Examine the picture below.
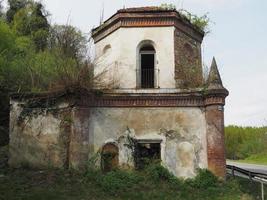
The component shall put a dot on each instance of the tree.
(32, 21)
(35, 57)
(14, 7)
(1, 9)
(69, 41)
(7, 46)
(40, 26)
(243, 142)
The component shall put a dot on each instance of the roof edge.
(121, 15)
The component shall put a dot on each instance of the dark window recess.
(147, 153)
(109, 157)
(147, 48)
(147, 70)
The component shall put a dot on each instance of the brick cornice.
(191, 99)
(142, 101)
(146, 19)
(216, 96)
(78, 98)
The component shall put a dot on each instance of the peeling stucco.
(181, 130)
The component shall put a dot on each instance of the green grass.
(155, 182)
(259, 159)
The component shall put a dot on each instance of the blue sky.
(238, 41)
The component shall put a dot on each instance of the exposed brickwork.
(215, 140)
(188, 67)
(186, 99)
(79, 138)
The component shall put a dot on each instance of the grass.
(259, 159)
(155, 182)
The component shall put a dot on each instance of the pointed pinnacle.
(214, 79)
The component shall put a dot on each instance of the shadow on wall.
(4, 118)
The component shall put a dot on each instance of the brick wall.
(188, 67)
(215, 140)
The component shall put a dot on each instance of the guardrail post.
(233, 171)
(262, 191)
(250, 178)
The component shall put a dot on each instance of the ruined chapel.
(158, 106)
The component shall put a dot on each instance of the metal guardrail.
(253, 176)
(248, 173)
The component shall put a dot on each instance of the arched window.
(147, 66)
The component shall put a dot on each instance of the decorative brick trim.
(91, 99)
(148, 100)
(214, 100)
(146, 19)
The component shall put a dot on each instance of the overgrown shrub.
(204, 179)
(158, 173)
(200, 22)
(118, 181)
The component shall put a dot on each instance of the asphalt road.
(250, 167)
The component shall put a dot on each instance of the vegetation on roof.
(200, 22)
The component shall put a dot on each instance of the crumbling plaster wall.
(54, 136)
(66, 137)
(36, 136)
(79, 139)
(182, 131)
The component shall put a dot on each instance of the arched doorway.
(147, 66)
(109, 157)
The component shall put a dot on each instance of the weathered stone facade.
(184, 128)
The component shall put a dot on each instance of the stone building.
(157, 105)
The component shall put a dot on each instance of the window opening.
(147, 62)
(147, 152)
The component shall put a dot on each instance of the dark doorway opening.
(147, 67)
(147, 153)
(147, 62)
